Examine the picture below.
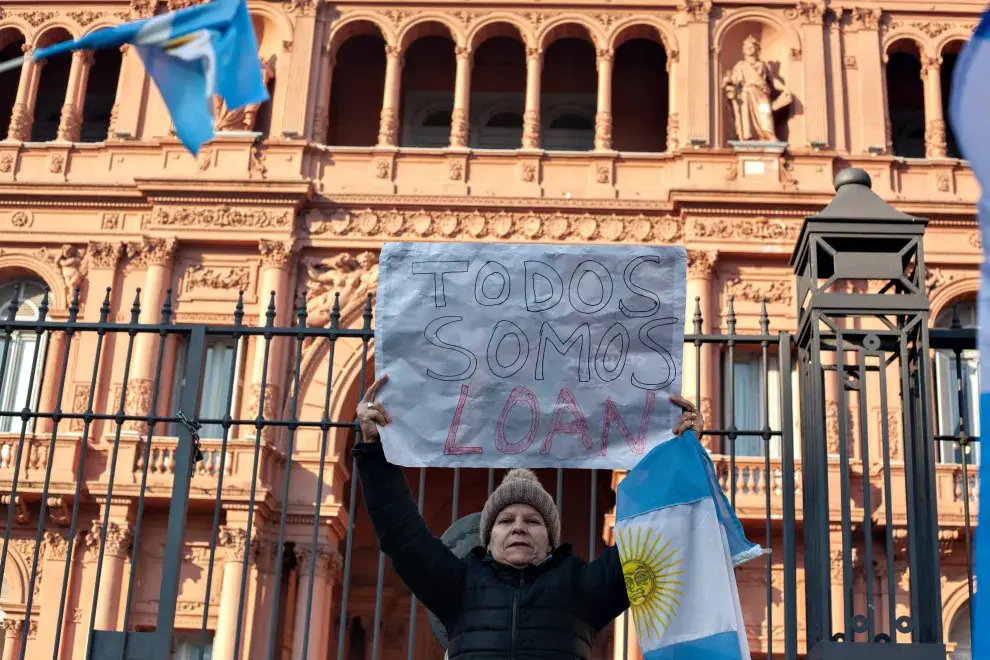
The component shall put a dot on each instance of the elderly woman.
(521, 594)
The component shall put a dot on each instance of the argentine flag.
(679, 540)
(968, 116)
(191, 54)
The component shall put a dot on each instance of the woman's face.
(519, 537)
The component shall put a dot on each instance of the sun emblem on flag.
(651, 569)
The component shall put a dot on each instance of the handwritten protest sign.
(539, 355)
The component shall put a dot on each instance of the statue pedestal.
(758, 161)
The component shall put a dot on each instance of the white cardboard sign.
(539, 355)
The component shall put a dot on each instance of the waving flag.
(679, 540)
(191, 54)
(968, 116)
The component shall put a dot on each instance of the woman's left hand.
(691, 418)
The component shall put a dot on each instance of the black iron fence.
(128, 535)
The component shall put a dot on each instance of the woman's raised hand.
(691, 418)
(371, 413)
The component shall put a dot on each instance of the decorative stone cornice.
(222, 216)
(503, 225)
(760, 228)
(778, 291)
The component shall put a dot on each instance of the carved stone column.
(12, 638)
(603, 119)
(693, 20)
(864, 45)
(328, 563)
(296, 108)
(931, 74)
(459, 122)
(70, 125)
(700, 383)
(531, 118)
(118, 545)
(276, 259)
(811, 16)
(265, 561)
(234, 543)
(388, 130)
(157, 255)
(22, 115)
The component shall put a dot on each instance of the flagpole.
(10, 65)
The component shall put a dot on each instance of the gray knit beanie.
(520, 486)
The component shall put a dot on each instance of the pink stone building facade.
(576, 121)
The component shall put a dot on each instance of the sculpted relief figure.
(755, 94)
(352, 276)
(70, 263)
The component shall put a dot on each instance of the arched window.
(20, 387)
(961, 633)
(906, 102)
(101, 93)
(569, 92)
(11, 46)
(428, 89)
(53, 82)
(947, 371)
(498, 89)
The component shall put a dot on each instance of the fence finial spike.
(136, 306)
(335, 311)
(14, 303)
(167, 308)
(301, 310)
(730, 318)
(105, 307)
(764, 318)
(270, 313)
(74, 306)
(367, 313)
(43, 308)
(239, 309)
(698, 317)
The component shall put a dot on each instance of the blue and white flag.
(679, 541)
(191, 54)
(968, 116)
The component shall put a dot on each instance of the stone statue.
(242, 119)
(749, 87)
(70, 263)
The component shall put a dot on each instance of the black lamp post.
(863, 325)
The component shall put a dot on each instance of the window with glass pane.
(220, 361)
(187, 645)
(947, 373)
(19, 388)
(748, 393)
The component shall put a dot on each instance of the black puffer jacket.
(551, 611)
